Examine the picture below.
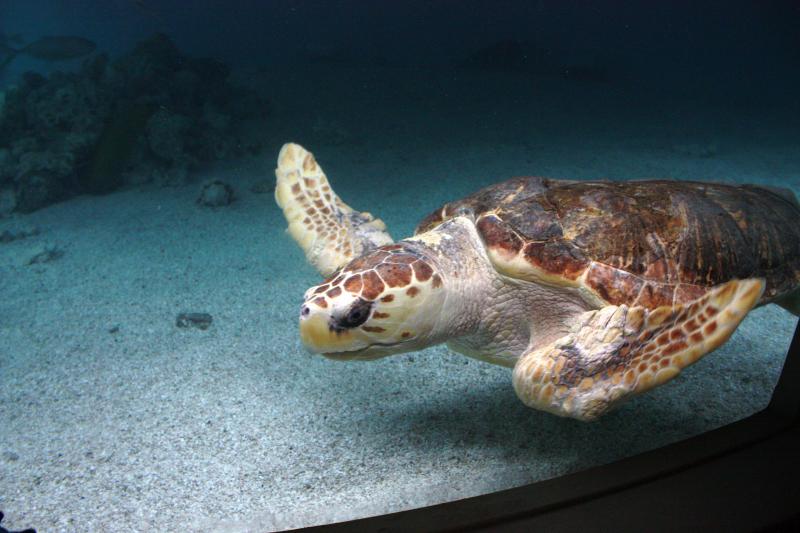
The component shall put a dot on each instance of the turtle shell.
(646, 243)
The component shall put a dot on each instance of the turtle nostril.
(304, 311)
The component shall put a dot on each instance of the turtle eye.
(357, 315)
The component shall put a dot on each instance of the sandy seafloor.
(114, 419)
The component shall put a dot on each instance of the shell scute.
(613, 285)
(557, 257)
(497, 234)
(649, 243)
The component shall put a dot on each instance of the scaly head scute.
(384, 302)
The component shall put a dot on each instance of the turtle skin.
(648, 243)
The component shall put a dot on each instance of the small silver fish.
(51, 48)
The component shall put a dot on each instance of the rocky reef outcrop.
(153, 114)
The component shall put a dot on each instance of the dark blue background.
(741, 46)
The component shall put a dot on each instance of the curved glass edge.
(751, 465)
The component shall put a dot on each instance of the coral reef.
(152, 115)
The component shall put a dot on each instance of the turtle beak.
(319, 337)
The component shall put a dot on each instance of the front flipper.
(618, 351)
(328, 230)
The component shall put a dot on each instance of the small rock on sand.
(10, 456)
(45, 254)
(16, 233)
(216, 194)
(194, 320)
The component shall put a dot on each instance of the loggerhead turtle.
(592, 291)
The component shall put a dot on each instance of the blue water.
(113, 418)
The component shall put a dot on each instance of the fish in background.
(49, 48)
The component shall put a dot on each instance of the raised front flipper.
(328, 230)
(616, 352)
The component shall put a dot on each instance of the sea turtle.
(592, 291)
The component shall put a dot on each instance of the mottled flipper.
(329, 231)
(618, 351)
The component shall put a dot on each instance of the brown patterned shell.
(649, 243)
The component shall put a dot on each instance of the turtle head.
(385, 302)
